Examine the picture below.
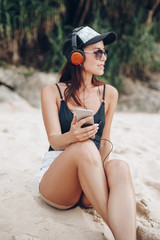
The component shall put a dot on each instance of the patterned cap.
(86, 36)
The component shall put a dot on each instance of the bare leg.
(77, 169)
(121, 203)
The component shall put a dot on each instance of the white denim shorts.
(48, 159)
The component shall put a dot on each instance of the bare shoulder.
(62, 84)
(111, 93)
(49, 90)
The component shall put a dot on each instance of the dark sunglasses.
(99, 53)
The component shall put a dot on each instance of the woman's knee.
(117, 172)
(86, 152)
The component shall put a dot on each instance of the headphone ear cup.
(77, 57)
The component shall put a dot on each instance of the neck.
(87, 79)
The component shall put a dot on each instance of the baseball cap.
(86, 36)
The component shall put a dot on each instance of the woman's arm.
(50, 117)
(57, 140)
(111, 99)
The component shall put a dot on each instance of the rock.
(128, 86)
(13, 76)
(31, 88)
(12, 100)
(142, 100)
(154, 83)
(26, 82)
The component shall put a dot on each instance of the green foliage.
(3, 63)
(155, 64)
(137, 51)
(26, 15)
(154, 30)
(28, 74)
(55, 59)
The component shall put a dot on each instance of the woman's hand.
(79, 134)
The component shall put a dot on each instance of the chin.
(99, 73)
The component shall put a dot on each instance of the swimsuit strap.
(59, 91)
(103, 99)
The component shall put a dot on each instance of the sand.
(23, 142)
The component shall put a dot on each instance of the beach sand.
(23, 142)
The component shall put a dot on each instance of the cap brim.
(106, 37)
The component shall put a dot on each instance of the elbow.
(55, 148)
(52, 143)
(55, 143)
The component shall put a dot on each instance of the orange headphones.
(77, 56)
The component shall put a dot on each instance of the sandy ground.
(23, 142)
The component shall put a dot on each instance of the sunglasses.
(99, 53)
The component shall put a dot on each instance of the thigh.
(60, 184)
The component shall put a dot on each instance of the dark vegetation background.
(32, 33)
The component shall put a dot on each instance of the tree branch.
(152, 11)
(85, 12)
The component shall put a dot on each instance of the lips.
(101, 65)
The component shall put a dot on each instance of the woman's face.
(91, 64)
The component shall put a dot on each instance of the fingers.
(81, 133)
(89, 132)
(92, 128)
(85, 121)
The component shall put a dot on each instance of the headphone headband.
(74, 40)
(77, 56)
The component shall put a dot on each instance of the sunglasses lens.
(99, 54)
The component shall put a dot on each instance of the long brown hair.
(72, 76)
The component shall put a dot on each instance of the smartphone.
(83, 113)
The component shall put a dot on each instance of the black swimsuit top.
(66, 116)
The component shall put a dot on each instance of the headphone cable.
(105, 139)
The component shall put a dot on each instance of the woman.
(74, 171)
